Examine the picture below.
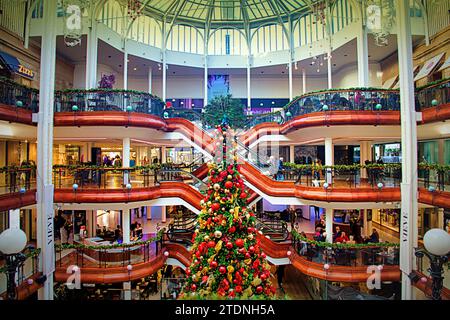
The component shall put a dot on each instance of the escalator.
(180, 175)
(182, 229)
(276, 229)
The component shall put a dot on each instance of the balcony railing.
(356, 99)
(432, 176)
(109, 255)
(345, 254)
(14, 94)
(15, 179)
(107, 100)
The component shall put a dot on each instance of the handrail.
(164, 175)
(374, 99)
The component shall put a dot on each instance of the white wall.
(347, 77)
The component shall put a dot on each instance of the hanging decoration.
(73, 22)
(134, 9)
(380, 19)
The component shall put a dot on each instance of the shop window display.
(389, 218)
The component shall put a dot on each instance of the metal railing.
(347, 256)
(276, 229)
(14, 94)
(108, 100)
(106, 256)
(180, 175)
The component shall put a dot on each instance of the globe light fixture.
(326, 185)
(128, 186)
(22, 190)
(165, 115)
(434, 102)
(74, 108)
(325, 107)
(437, 246)
(288, 114)
(378, 106)
(431, 188)
(75, 187)
(380, 185)
(12, 243)
(19, 103)
(129, 108)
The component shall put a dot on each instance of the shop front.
(15, 69)
(388, 218)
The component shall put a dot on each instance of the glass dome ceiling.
(230, 12)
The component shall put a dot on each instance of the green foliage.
(225, 105)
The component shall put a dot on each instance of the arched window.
(146, 30)
(269, 38)
(112, 15)
(227, 42)
(185, 38)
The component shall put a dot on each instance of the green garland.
(96, 167)
(323, 244)
(422, 165)
(106, 91)
(431, 84)
(16, 84)
(30, 254)
(111, 246)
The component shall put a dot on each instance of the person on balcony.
(342, 238)
(374, 237)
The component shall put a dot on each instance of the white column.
(163, 213)
(330, 76)
(290, 80)
(440, 218)
(125, 70)
(44, 203)
(408, 220)
(292, 154)
(126, 158)
(205, 82)
(249, 80)
(150, 76)
(164, 78)
(149, 213)
(127, 290)
(14, 219)
(91, 56)
(363, 57)
(365, 153)
(329, 224)
(91, 222)
(126, 214)
(329, 158)
(163, 154)
(303, 81)
(367, 229)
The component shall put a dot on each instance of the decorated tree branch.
(227, 261)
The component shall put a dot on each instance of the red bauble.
(239, 243)
(247, 255)
(243, 195)
(228, 184)
(193, 287)
(263, 277)
(188, 271)
(259, 289)
(211, 244)
(213, 264)
(204, 279)
(222, 269)
(238, 289)
(263, 255)
(229, 245)
(215, 206)
(232, 229)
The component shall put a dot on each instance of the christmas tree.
(227, 260)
